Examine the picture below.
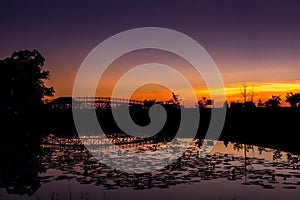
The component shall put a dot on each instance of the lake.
(223, 171)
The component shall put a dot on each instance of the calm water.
(232, 171)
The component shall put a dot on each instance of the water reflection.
(247, 165)
(20, 170)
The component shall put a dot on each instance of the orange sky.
(262, 89)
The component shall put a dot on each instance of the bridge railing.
(104, 102)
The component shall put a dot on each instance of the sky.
(252, 42)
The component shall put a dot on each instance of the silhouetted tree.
(202, 103)
(246, 94)
(22, 91)
(22, 78)
(293, 99)
(176, 100)
(274, 102)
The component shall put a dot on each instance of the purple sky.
(254, 41)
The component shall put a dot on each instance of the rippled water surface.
(228, 171)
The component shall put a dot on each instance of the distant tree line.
(293, 99)
(247, 100)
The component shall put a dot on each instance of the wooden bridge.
(103, 102)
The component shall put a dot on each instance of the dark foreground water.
(231, 171)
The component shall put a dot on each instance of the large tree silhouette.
(22, 91)
(22, 81)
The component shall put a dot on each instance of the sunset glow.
(266, 60)
(263, 91)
